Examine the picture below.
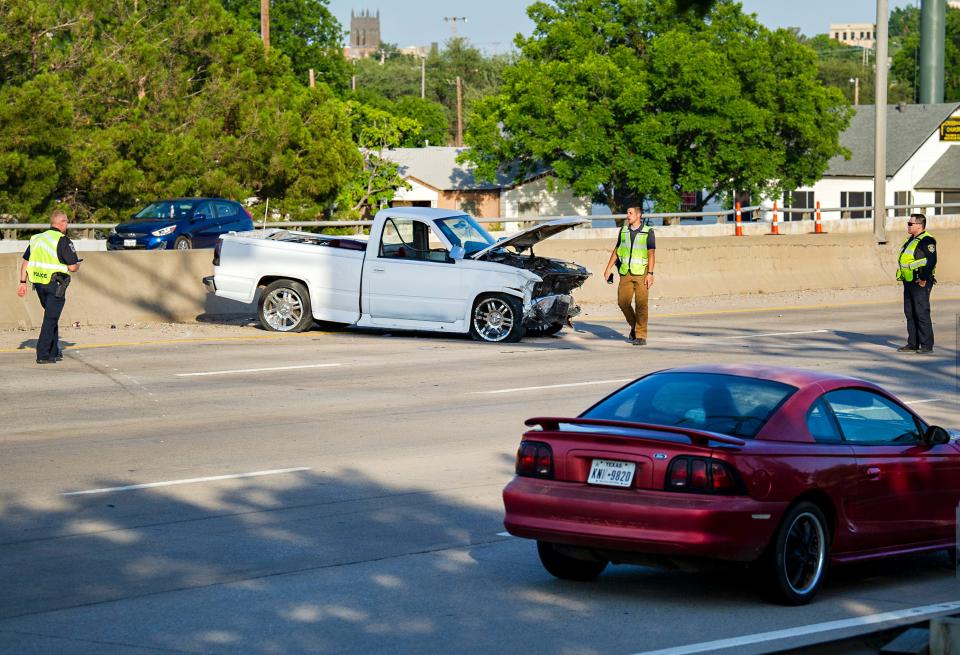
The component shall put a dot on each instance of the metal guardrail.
(9, 230)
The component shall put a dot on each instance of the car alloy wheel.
(797, 559)
(493, 319)
(283, 309)
(804, 553)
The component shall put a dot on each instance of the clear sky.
(492, 24)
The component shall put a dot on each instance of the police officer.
(915, 268)
(636, 249)
(48, 262)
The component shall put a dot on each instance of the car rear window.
(726, 404)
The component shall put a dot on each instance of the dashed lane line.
(170, 483)
(255, 370)
(163, 342)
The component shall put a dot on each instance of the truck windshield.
(465, 232)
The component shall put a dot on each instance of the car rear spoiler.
(700, 437)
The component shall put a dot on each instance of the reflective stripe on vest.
(633, 256)
(907, 264)
(44, 261)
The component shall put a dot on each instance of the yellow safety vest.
(907, 263)
(633, 256)
(44, 261)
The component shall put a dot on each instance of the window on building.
(946, 198)
(799, 200)
(903, 200)
(856, 199)
(844, 36)
(836, 35)
(527, 208)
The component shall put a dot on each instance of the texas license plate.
(611, 473)
(129, 243)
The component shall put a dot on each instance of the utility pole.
(423, 77)
(453, 20)
(856, 90)
(932, 33)
(265, 23)
(313, 80)
(880, 128)
(459, 113)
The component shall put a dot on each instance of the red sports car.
(786, 468)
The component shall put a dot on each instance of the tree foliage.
(906, 65)
(625, 101)
(303, 30)
(107, 105)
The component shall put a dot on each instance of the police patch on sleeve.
(72, 248)
(932, 247)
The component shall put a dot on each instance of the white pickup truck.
(420, 269)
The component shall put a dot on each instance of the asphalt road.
(358, 507)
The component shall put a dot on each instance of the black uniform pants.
(48, 345)
(916, 307)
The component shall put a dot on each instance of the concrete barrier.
(124, 287)
(141, 287)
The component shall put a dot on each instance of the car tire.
(568, 568)
(544, 330)
(285, 307)
(795, 563)
(182, 243)
(497, 318)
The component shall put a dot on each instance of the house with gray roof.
(436, 179)
(922, 163)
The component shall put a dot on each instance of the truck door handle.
(873, 472)
(379, 270)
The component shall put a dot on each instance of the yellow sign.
(950, 130)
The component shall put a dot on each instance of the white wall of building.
(417, 192)
(827, 190)
(536, 195)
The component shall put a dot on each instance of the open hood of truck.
(527, 238)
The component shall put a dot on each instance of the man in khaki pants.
(636, 251)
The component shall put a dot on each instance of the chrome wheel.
(283, 309)
(493, 319)
(804, 553)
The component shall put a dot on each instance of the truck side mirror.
(457, 252)
(936, 435)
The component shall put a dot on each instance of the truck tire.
(497, 318)
(285, 307)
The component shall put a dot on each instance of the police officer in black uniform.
(915, 268)
(47, 263)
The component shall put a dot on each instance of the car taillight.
(535, 460)
(703, 475)
(216, 252)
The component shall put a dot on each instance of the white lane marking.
(913, 614)
(170, 483)
(917, 402)
(255, 370)
(551, 386)
(776, 334)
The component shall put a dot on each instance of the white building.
(436, 179)
(922, 168)
(861, 35)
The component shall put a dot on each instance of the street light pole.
(265, 23)
(880, 127)
(459, 113)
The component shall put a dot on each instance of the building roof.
(437, 167)
(945, 174)
(908, 126)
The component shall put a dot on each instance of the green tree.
(626, 101)
(146, 100)
(305, 31)
(905, 69)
